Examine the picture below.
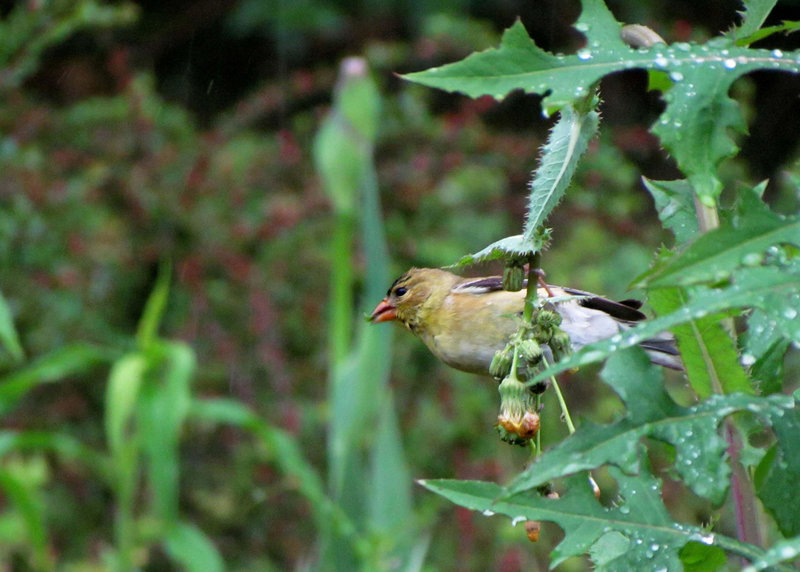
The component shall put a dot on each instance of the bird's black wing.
(626, 310)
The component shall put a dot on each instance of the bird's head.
(412, 294)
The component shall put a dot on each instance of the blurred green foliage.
(126, 144)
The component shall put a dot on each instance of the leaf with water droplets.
(508, 247)
(568, 141)
(707, 350)
(753, 15)
(731, 246)
(781, 551)
(779, 472)
(675, 206)
(637, 533)
(700, 450)
(518, 63)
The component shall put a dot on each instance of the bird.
(466, 321)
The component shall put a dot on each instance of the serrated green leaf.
(699, 557)
(567, 142)
(696, 124)
(778, 473)
(700, 450)
(768, 370)
(787, 27)
(743, 242)
(768, 288)
(516, 245)
(608, 548)
(753, 16)
(707, 350)
(778, 493)
(598, 24)
(638, 514)
(675, 205)
(695, 127)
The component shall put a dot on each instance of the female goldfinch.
(465, 321)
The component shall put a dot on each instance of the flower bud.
(561, 342)
(518, 420)
(548, 319)
(501, 363)
(532, 528)
(530, 351)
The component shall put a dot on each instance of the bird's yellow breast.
(491, 320)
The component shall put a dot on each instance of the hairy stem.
(744, 506)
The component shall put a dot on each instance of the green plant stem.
(539, 433)
(707, 217)
(745, 509)
(561, 401)
(564, 409)
(531, 293)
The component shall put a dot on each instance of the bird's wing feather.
(626, 310)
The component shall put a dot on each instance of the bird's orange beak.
(383, 312)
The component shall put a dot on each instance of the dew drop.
(661, 61)
(582, 27)
(488, 512)
(730, 63)
(584, 55)
(747, 360)
(787, 552)
(676, 76)
(790, 313)
(753, 259)
(777, 54)
(704, 538)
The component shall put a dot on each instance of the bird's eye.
(400, 291)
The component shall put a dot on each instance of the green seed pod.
(561, 342)
(530, 351)
(548, 319)
(544, 335)
(501, 363)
